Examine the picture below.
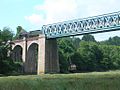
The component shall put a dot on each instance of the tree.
(63, 63)
(77, 59)
(6, 63)
(76, 42)
(111, 57)
(112, 41)
(66, 45)
(19, 30)
(66, 49)
(88, 37)
(6, 34)
(91, 55)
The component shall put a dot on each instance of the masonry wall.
(48, 61)
(51, 56)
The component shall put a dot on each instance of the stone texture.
(47, 55)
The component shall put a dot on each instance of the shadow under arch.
(17, 53)
(16, 56)
(32, 59)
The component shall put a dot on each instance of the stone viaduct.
(39, 53)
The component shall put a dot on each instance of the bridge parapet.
(101, 23)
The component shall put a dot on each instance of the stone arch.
(17, 44)
(32, 59)
(17, 53)
(32, 42)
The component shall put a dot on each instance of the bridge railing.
(101, 23)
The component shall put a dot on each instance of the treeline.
(87, 54)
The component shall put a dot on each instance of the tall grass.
(83, 81)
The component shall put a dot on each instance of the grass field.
(82, 81)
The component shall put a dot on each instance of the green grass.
(82, 81)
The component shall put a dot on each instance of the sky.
(32, 14)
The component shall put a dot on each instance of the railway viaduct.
(38, 49)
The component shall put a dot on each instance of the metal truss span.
(101, 23)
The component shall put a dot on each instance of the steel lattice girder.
(101, 23)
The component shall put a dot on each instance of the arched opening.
(17, 58)
(32, 58)
(17, 53)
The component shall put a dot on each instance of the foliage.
(111, 57)
(5, 35)
(88, 54)
(112, 41)
(63, 63)
(91, 55)
(66, 49)
(88, 38)
(19, 30)
(75, 41)
(77, 59)
(6, 63)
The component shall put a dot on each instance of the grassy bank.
(82, 81)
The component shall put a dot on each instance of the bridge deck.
(96, 24)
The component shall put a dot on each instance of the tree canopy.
(89, 55)
(88, 38)
(6, 63)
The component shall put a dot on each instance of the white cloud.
(58, 10)
(93, 7)
(62, 10)
(55, 11)
(35, 19)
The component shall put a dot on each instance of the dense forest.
(75, 54)
(89, 55)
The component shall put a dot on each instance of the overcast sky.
(32, 14)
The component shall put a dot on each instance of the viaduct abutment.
(47, 54)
